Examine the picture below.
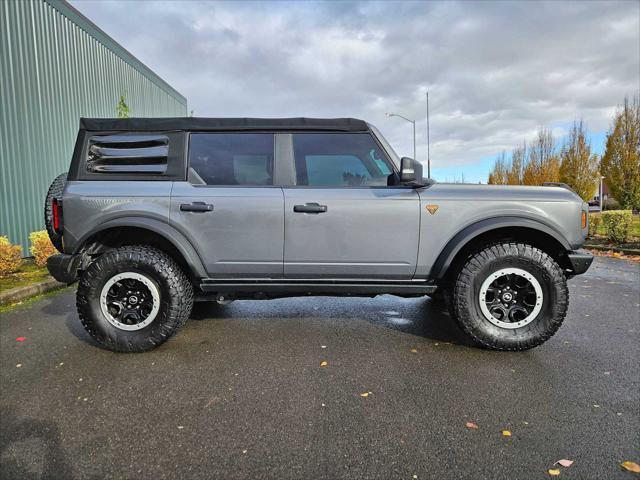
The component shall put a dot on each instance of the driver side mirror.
(410, 171)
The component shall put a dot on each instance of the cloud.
(496, 71)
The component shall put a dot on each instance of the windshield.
(394, 156)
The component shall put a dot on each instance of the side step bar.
(306, 287)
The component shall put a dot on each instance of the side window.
(231, 158)
(339, 160)
(127, 154)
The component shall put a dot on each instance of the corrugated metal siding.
(54, 71)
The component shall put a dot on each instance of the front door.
(342, 219)
(229, 208)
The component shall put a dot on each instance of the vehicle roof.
(220, 124)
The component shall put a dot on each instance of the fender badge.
(432, 209)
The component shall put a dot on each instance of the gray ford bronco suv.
(157, 213)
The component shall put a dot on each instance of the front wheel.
(132, 299)
(510, 296)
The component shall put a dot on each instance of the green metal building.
(57, 66)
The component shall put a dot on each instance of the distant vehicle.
(155, 214)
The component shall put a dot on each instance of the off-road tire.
(176, 298)
(465, 303)
(55, 191)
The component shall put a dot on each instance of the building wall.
(57, 66)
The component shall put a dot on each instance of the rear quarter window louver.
(128, 154)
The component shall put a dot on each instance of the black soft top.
(218, 124)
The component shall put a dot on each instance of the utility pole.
(414, 140)
(428, 141)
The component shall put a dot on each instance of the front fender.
(460, 239)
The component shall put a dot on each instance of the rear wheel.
(132, 299)
(54, 192)
(510, 296)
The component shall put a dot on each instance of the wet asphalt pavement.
(240, 393)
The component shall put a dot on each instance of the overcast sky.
(496, 71)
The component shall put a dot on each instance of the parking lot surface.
(240, 393)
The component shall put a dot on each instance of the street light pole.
(428, 142)
(413, 122)
(601, 195)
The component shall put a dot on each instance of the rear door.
(229, 208)
(344, 218)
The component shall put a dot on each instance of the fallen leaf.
(324, 363)
(564, 462)
(554, 472)
(323, 346)
(471, 425)
(180, 427)
(18, 365)
(630, 466)
(365, 394)
(244, 451)
(413, 350)
(506, 433)
(21, 339)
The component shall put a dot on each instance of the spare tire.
(55, 191)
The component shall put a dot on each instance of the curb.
(626, 251)
(18, 294)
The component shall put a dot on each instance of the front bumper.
(580, 261)
(63, 267)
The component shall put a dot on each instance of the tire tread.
(460, 309)
(55, 191)
(179, 292)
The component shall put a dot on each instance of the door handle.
(196, 207)
(310, 208)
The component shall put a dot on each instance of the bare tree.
(518, 158)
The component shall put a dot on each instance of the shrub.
(594, 223)
(41, 247)
(10, 257)
(617, 224)
(611, 204)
